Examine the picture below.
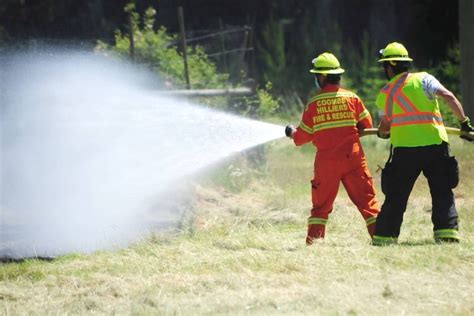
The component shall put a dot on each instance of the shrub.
(158, 50)
(448, 72)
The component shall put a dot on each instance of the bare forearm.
(453, 103)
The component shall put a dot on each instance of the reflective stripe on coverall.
(331, 121)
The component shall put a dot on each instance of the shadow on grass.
(427, 242)
(20, 260)
(424, 242)
(408, 243)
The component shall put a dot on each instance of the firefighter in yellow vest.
(410, 117)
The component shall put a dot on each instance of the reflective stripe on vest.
(405, 103)
(395, 88)
(411, 114)
(418, 118)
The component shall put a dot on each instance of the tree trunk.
(383, 23)
(466, 37)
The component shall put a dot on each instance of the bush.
(364, 75)
(158, 50)
(448, 72)
(268, 104)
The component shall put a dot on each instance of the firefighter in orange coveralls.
(331, 121)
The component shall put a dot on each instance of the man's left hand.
(382, 135)
(466, 127)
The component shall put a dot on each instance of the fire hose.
(449, 130)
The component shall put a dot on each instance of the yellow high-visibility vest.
(415, 119)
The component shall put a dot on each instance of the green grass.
(241, 251)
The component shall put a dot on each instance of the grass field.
(241, 251)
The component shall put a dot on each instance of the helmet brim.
(328, 71)
(381, 60)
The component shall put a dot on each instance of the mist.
(88, 149)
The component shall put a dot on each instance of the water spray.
(87, 149)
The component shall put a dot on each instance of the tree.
(157, 50)
(271, 50)
(466, 32)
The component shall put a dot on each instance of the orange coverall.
(331, 121)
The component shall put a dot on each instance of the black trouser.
(404, 169)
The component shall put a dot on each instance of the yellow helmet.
(326, 63)
(394, 51)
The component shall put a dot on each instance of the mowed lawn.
(240, 250)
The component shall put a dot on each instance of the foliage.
(158, 50)
(285, 59)
(288, 42)
(448, 72)
(317, 33)
(271, 52)
(3, 36)
(268, 104)
(364, 75)
(289, 33)
(260, 105)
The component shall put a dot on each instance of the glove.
(383, 136)
(289, 130)
(466, 127)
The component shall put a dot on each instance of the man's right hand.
(289, 131)
(383, 130)
(466, 127)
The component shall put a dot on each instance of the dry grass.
(242, 251)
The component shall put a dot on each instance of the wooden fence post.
(183, 45)
(131, 38)
(222, 37)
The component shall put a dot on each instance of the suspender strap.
(390, 156)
